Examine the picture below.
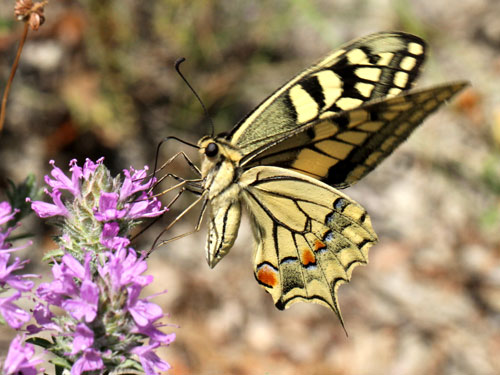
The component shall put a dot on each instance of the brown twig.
(12, 74)
(32, 16)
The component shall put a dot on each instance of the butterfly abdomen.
(225, 216)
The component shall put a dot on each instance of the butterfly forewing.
(344, 147)
(310, 236)
(376, 66)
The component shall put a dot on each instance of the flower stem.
(12, 74)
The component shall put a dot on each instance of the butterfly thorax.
(219, 166)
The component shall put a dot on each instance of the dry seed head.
(27, 11)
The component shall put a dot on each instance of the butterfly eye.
(211, 150)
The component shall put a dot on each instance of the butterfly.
(323, 130)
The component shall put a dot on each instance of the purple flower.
(132, 182)
(124, 269)
(149, 360)
(156, 335)
(59, 181)
(143, 312)
(43, 317)
(91, 360)
(20, 359)
(85, 305)
(110, 238)
(4, 244)
(13, 315)
(62, 182)
(74, 268)
(14, 281)
(56, 291)
(7, 246)
(144, 206)
(90, 282)
(44, 209)
(83, 338)
(89, 167)
(5, 212)
(108, 208)
(80, 300)
(63, 286)
(124, 315)
(121, 205)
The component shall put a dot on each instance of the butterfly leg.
(192, 186)
(177, 196)
(186, 158)
(184, 185)
(156, 243)
(189, 162)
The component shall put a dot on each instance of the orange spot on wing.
(307, 257)
(318, 245)
(266, 275)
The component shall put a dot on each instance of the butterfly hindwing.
(344, 147)
(309, 236)
(379, 65)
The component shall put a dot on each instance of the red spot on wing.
(267, 276)
(318, 245)
(307, 257)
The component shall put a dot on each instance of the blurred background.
(97, 80)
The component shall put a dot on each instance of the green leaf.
(38, 341)
(17, 195)
(60, 362)
(53, 254)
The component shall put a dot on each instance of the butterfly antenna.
(177, 68)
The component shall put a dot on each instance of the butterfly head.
(216, 151)
(209, 148)
(219, 163)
